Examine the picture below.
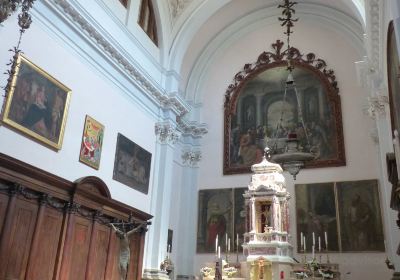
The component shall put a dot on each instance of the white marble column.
(253, 215)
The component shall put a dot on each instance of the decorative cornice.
(275, 58)
(193, 129)
(163, 100)
(167, 133)
(191, 157)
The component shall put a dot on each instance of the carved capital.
(166, 133)
(377, 106)
(191, 158)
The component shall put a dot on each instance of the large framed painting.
(257, 114)
(92, 142)
(37, 104)
(316, 213)
(349, 212)
(132, 164)
(360, 216)
(214, 219)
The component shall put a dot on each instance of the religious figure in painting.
(216, 225)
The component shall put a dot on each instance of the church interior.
(199, 139)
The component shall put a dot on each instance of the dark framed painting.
(360, 216)
(132, 164)
(258, 113)
(316, 213)
(215, 214)
(37, 104)
(349, 212)
(92, 142)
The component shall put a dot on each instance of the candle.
(301, 240)
(226, 241)
(216, 245)
(326, 241)
(313, 253)
(229, 245)
(304, 237)
(237, 241)
(313, 238)
(319, 244)
(219, 252)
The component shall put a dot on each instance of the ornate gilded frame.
(278, 58)
(23, 96)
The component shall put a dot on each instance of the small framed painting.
(132, 165)
(92, 142)
(37, 104)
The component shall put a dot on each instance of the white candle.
(226, 241)
(326, 241)
(229, 244)
(313, 238)
(301, 240)
(219, 252)
(305, 249)
(237, 240)
(313, 253)
(319, 244)
(216, 245)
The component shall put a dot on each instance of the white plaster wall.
(361, 152)
(92, 94)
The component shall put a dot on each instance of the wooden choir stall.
(51, 228)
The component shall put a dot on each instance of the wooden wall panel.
(98, 260)
(80, 248)
(3, 208)
(42, 262)
(19, 241)
(112, 272)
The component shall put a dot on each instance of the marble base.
(154, 274)
(396, 276)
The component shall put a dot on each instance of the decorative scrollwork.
(276, 58)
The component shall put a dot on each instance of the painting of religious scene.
(132, 165)
(214, 219)
(239, 216)
(37, 104)
(360, 216)
(92, 141)
(265, 115)
(316, 213)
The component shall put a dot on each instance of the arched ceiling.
(195, 23)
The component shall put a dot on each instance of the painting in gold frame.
(37, 104)
(92, 142)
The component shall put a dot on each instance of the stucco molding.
(167, 133)
(191, 157)
(156, 94)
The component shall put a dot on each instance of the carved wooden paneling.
(135, 247)
(80, 249)
(98, 257)
(3, 207)
(14, 258)
(42, 261)
(51, 228)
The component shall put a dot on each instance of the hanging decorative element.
(7, 7)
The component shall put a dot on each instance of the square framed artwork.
(92, 142)
(132, 164)
(37, 104)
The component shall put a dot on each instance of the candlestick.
(313, 252)
(319, 244)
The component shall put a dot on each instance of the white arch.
(325, 16)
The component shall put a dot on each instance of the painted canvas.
(92, 142)
(316, 212)
(37, 104)
(132, 164)
(214, 219)
(360, 216)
